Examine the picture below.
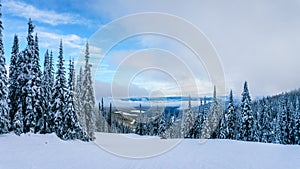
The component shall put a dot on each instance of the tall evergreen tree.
(161, 126)
(46, 92)
(189, 121)
(215, 115)
(297, 123)
(28, 80)
(4, 112)
(88, 96)
(247, 128)
(58, 102)
(36, 80)
(78, 99)
(283, 121)
(228, 123)
(51, 70)
(206, 126)
(71, 128)
(264, 123)
(13, 83)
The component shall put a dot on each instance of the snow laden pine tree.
(13, 75)
(297, 123)
(4, 112)
(46, 89)
(29, 116)
(283, 123)
(88, 96)
(264, 123)
(78, 99)
(247, 126)
(215, 115)
(206, 126)
(58, 101)
(189, 121)
(161, 126)
(71, 128)
(27, 94)
(228, 123)
(36, 80)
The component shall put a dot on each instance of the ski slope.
(33, 151)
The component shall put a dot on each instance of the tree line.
(273, 119)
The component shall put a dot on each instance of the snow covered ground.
(30, 151)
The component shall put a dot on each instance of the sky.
(256, 41)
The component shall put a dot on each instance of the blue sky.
(257, 41)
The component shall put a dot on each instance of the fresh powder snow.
(34, 151)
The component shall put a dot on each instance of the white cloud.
(24, 10)
(50, 40)
(257, 40)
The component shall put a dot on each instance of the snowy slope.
(31, 151)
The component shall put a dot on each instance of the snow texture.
(34, 151)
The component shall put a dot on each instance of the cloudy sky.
(256, 40)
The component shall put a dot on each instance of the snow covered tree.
(29, 86)
(46, 92)
(277, 129)
(88, 96)
(189, 121)
(291, 122)
(297, 123)
(247, 128)
(30, 118)
(4, 112)
(162, 126)
(206, 126)
(264, 123)
(71, 128)
(215, 115)
(78, 99)
(231, 118)
(283, 123)
(108, 117)
(51, 70)
(58, 101)
(228, 122)
(36, 82)
(13, 83)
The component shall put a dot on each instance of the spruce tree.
(46, 89)
(283, 122)
(13, 83)
(228, 122)
(58, 101)
(265, 124)
(206, 126)
(231, 117)
(162, 126)
(71, 128)
(78, 99)
(297, 123)
(51, 70)
(4, 112)
(214, 116)
(88, 96)
(36, 82)
(26, 114)
(247, 128)
(188, 121)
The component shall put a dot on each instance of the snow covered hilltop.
(43, 102)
